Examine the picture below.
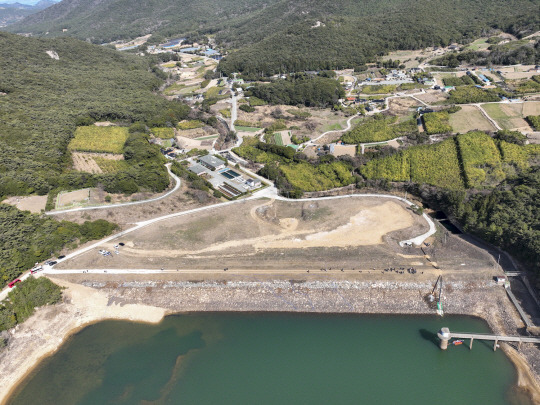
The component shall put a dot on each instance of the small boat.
(457, 342)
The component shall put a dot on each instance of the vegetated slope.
(508, 216)
(108, 20)
(12, 12)
(352, 33)
(42, 100)
(287, 35)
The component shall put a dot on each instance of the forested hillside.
(42, 99)
(508, 217)
(108, 20)
(271, 36)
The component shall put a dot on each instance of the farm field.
(470, 119)
(305, 119)
(97, 162)
(99, 139)
(481, 160)
(432, 164)
(163, 133)
(508, 116)
(531, 108)
(278, 139)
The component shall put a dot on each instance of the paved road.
(102, 207)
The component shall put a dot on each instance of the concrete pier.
(445, 335)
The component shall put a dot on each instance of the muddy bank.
(149, 301)
(44, 332)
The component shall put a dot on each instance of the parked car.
(61, 257)
(12, 284)
(36, 269)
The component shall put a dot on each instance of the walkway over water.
(445, 335)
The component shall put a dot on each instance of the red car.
(12, 284)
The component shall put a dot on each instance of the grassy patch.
(191, 124)
(278, 139)
(163, 133)
(99, 139)
(379, 129)
(332, 127)
(379, 89)
(504, 114)
(246, 129)
(110, 165)
(480, 43)
(225, 112)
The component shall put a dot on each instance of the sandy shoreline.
(83, 305)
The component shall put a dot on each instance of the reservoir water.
(229, 358)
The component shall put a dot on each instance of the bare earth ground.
(187, 143)
(84, 161)
(408, 58)
(73, 197)
(402, 106)
(432, 96)
(321, 119)
(470, 119)
(531, 108)
(267, 235)
(125, 216)
(344, 150)
(33, 204)
(196, 133)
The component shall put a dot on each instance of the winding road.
(102, 207)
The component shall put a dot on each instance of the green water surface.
(273, 359)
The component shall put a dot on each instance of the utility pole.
(498, 260)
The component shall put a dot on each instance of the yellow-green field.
(99, 139)
(163, 133)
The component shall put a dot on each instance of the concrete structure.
(197, 169)
(212, 162)
(253, 183)
(445, 335)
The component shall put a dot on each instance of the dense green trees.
(512, 53)
(472, 94)
(24, 298)
(508, 216)
(311, 91)
(27, 238)
(46, 98)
